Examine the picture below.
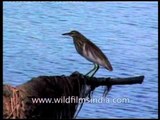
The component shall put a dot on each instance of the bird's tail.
(108, 65)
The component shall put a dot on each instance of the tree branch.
(116, 81)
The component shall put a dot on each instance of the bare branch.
(116, 81)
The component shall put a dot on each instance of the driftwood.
(18, 101)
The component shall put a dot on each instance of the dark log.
(18, 101)
(116, 81)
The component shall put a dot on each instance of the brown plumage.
(89, 50)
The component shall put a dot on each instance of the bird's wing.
(97, 55)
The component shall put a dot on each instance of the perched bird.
(90, 51)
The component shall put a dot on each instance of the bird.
(90, 51)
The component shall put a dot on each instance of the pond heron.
(90, 51)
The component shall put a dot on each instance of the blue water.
(127, 32)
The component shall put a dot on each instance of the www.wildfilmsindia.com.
(76, 99)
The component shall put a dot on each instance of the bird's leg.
(96, 69)
(91, 70)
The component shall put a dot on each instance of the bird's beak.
(66, 33)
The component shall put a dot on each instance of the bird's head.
(73, 33)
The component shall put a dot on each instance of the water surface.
(127, 32)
